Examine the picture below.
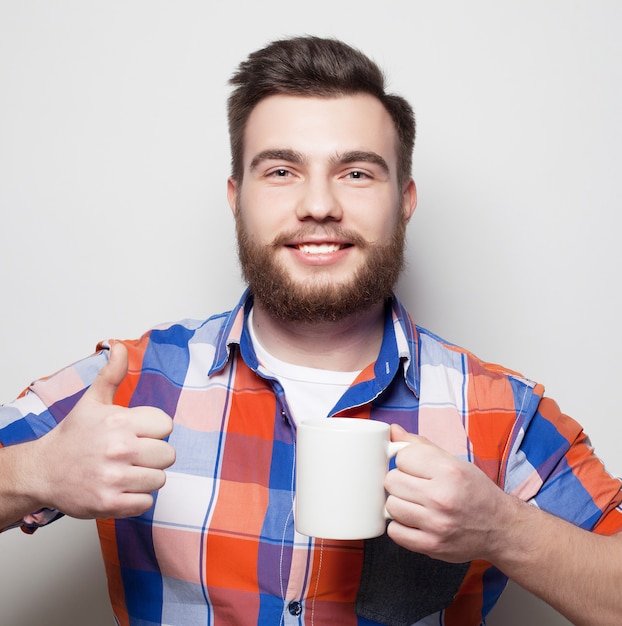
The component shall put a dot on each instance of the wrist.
(19, 494)
(512, 538)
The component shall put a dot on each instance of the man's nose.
(319, 201)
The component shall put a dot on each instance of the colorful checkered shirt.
(219, 548)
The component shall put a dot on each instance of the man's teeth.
(319, 248)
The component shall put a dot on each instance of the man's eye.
(279, 173)
(357, 175)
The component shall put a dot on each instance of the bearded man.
(495, 481)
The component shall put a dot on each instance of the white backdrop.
(113, 161)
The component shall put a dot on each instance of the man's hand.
(450, 510)
(103, 460)
(442, 506)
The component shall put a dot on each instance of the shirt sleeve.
(42, 406)
(552, 464)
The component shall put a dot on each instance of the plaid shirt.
(218, 547)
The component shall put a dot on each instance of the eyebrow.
(354, 156)
(293, 156)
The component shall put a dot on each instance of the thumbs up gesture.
(104, 460)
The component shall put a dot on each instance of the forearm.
(17, 485)
(575, 571)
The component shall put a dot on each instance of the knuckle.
(108, 503)
(115, 421)
(444, 528)
(110, 478)
(120, 449)
(444, 501)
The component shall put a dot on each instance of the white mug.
(341, 463)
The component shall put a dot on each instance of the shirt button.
(295, 608)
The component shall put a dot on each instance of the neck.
(347, 345)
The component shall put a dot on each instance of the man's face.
(319, 214)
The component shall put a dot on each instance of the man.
(321, 191)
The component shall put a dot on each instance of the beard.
(320, 298)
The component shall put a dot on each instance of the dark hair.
(312, 66)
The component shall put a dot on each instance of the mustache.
(314, 231)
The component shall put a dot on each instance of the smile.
(320, 248)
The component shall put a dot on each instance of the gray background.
(113, 162)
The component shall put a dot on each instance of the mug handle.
(395, 447)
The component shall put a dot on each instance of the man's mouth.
(320, 248)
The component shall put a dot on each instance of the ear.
(409, 199)
(232, 193)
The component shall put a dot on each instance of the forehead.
(319, 127)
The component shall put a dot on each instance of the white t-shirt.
(310, 392)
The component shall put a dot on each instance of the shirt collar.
(231, 332)
(407, 341)
(400, 341)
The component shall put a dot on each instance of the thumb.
(399, 434)
(110, 376)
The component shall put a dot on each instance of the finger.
(144, 480)
(410, 537)
(399, 434)
(155, 454)
(128, 505)
(110, 376)
(407, 486)
(148, 421)
(406, 511)
(421, 457)
(134, 497)
(411, 517)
